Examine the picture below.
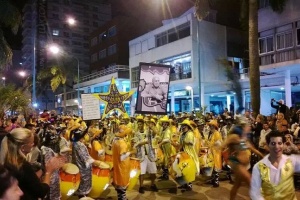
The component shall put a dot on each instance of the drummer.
(187, 145)
(165, 145)
(146, 152)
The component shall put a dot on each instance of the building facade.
(194, 49)
(45, 23)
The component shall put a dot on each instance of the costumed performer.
(239, 154)
(273, 176)
(121, 162)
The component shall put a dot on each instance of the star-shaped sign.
(114, 99)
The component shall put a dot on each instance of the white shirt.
(275, 174)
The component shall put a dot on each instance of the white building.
(194, 49)
(279, 43)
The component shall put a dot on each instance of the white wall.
(269, 19)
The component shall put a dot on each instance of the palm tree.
(10, 17)
(59, 74)
(254, 72)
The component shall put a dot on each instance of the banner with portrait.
(152, 93)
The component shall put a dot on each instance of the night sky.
(149, 11)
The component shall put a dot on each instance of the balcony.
(110, 70)
(280, 56)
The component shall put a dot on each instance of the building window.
(55, 32)
(95, 24)
(173, 34)
(55, 16)
(135, 76)
(94, 41)
(97, 89)
(66, 34)
(102, 54)
(66, 42)
(112, 49)
(266, 44)
(95, 16)
(112, 31)
(298, 36)
(76, 43)
(94, 58)
(284, 40)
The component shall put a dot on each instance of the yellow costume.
(285, 189)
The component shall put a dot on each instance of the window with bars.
(284, 40)
(266, 44)
(112, 31)
(135, 76)
(94, 58)
(94, 41)
(173, 34)
(112, 49)
(102, 54)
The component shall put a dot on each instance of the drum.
(160, 157)
(135, 171)
(100, 179)
(183, 169)
(69, 180)
(206, 161)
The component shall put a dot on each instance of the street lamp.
(55, 50)
(3, 80)
(22, 73)
(189, 88)
(71, 21)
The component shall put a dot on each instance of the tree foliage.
(12, 99)
(10, 17)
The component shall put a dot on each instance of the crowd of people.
(34, 151)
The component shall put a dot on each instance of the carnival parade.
(65, 156)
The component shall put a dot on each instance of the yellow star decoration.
(114, 99)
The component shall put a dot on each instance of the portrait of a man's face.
(153, 88)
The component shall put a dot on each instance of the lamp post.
(3, 80)
(189, 88)
(55, 50)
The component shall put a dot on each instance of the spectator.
(14, 148)
(262, 139)
(280, 108)
(289, 147)
(9, 188)
(280, 122)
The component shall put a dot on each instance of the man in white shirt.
(273, 176)
(262, 139)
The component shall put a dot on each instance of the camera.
(273, 100)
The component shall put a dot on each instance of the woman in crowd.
(9, 188)
(14, 148)
(239, 154)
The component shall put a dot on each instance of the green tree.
(59, 74)
(12, 99)
(10, 17)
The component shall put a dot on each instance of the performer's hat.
(188, 123)
(153, 121)
(164, 119)
(123, 131)
(139, 118)
(213, 123)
